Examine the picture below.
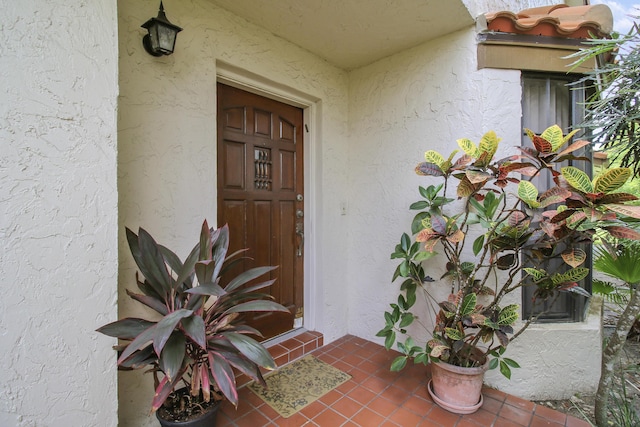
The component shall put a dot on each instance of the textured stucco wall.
(167, 150)
(477, 7)
(427, 98)
(58, 212)
(400, 107)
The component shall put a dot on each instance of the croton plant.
(197, 336)
(498, 237)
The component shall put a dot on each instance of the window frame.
(569, 307)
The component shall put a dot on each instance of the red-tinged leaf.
(257, 305)
(210, 289)
(574, 257)
(621, 232)
(576, 218)
(425, 235)
(206, 243)
(465, 188)
(542, 145)
(251, 349)
(428, 169)
(204, 271)
(125, 329)
(510, 167)
(151, 302)
(194, 328)
(516, 218)
(172, 355)
(166, 326)
(464, 160)
(477, 176)
(146, 254)
(530, 171)
(562, 216)
(247, 276)
(548, 228)
(632, 211)
(195, 380)
(220, 241)
(164, 389)
(224, 377)
(478, 319)
(139, 342)
(503, 338)
(554, 195)
(140, 358)
(438, 224)
(505, 262)
(456, 237)
(573, 147)
(484, 159)
(204, 380)
(592, 197)
(430, 245)
(153, 265)
(572, 158)
(617, 198)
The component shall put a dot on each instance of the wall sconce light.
(162, 35)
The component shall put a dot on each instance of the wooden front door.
(260, 193)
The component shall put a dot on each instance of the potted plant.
(497, 236)
(197, 337)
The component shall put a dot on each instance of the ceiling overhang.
(352, 33)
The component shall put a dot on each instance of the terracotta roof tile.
(560, 20)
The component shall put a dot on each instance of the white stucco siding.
(478, 7)
(167, 157)
(58, 212)
(421, 99)
(427, 98)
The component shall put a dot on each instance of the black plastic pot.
(207, 419)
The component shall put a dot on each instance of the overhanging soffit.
(352, 33)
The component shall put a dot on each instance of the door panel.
(260, 193)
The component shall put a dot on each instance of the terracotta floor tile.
(395, 395)
(362, 395)
(520, 403)
(377, 397)
(331, 397)
(491, 405)
(252, 419)
(346, 406)
(295, 420)
(329, 417)
(418, 405)
(382, 406)
(366, 417)
(544, 422)
(550, 414)
(495, 394)
(482, 417)
(517, 415)
(405, 418)
(503, 422)
(465, 422)
(374, 384)
(439, 415)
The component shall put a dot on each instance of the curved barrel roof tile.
(578, 22)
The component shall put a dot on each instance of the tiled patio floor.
(377, 397)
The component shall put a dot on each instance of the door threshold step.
(288, 347)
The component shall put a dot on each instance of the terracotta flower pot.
(457, 389)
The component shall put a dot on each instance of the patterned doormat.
(294, 386)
